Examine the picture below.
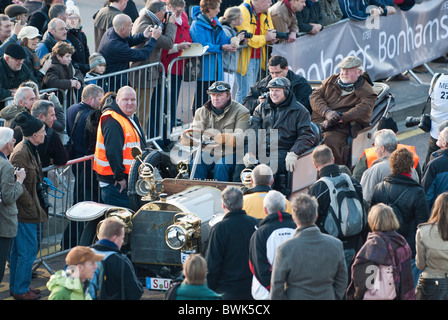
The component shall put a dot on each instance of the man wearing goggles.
(223, 121)
(343, 105)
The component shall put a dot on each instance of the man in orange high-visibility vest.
(118, 131)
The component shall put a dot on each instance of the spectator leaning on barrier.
(310, 18)
(10, 189)
(32, 207)
(278, 67)
(283, 14)
(207, 30)
(257, 21)
(310, 265)
(116, 47)
(104, 17)
(343, 105)
(331, 11)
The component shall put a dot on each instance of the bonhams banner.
(388, 45)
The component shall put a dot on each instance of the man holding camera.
(32, 206)
(257, 21)
(343, 106)
(283, 14)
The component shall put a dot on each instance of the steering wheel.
(200, 137)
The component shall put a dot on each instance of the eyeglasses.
(219, 87)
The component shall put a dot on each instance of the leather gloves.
(332, 116)
(290, 161)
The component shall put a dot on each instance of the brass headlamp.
(185, 233)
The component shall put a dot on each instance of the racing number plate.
(158, 283)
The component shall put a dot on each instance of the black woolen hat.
(15, 51)
(28, 123)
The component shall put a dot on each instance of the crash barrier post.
(66, 186)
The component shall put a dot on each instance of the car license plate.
(158, 283)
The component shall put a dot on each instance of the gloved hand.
(332, 116)
(225, 138)
(327, 125)
(290, 161)
(249, 160)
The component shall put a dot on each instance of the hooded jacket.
(202, 32)
(63, 287)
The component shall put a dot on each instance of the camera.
(247, 35)
(282, 35)
(42, 194)
(423, 122)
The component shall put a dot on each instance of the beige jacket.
(284, 19)
(432, 252)
(235, 120)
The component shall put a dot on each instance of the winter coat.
(80, 58)
(412, 204)
(10, 191)
(227, 255)
(182, 34)
(310, 14)
(309, 266)
(435, 178)
(230, 59)
(64, 287)
(202, 32)
(376, 251)
(28, 205)
(60, 76)
(292, 121)
(165, 41)
(52, 151)
(102, 21)
(432, 251)
(257, 41)
(273, 230)
(320, 190)
(331, 12)
(283, 17)
(253, 202)
(299, 86)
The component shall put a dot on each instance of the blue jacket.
(202, 32)
(435, 179)
(356, 9)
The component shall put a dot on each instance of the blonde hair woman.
(384, 246)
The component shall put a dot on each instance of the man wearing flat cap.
(32, 209)
(343, 105)
(12, 71)
(68, 284)
(224, 120)
(17, 13)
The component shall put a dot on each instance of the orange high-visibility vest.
(371, 155)
(131, 139)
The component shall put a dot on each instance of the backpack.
(96, 283)
(403, 229)
(346, 214)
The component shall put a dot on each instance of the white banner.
(388, 45)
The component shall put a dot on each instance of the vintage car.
(171, 214)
